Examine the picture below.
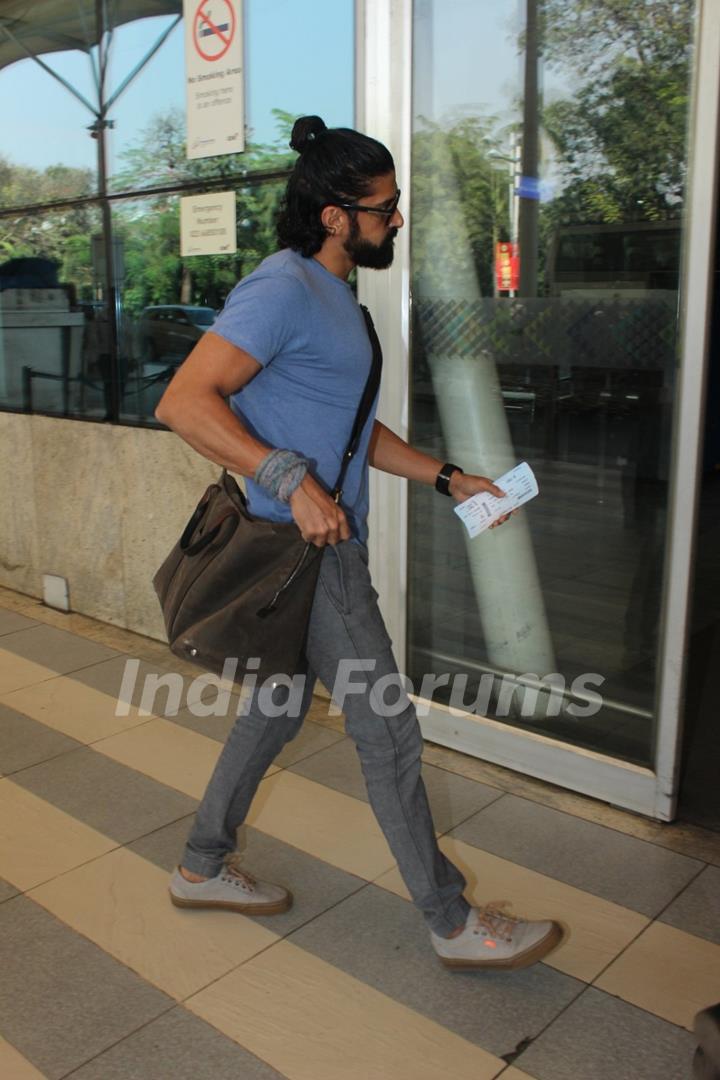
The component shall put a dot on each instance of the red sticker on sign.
(214, 28)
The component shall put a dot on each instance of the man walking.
(271, 392)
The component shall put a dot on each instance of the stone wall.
(98, 504)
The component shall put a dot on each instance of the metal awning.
(32, 28)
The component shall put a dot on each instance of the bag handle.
(209, 537)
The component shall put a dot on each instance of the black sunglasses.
(385, 211)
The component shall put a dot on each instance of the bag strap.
(369, 393)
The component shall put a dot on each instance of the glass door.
(559, 296)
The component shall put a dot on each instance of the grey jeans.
(345, 625)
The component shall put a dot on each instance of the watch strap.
(442, 480)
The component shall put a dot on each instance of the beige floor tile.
(69, 706)
(667, 972)
(597, 929)
(38, 841)
(121, 903)
(311, 1021)
(16, 672)
(13, 1066)
(167, 752)
(334, 827)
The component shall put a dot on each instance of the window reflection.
(97, 308)
(545, 296)
(166, 302)
(50, 295)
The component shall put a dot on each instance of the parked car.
(168, 332)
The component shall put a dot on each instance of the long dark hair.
(335, 165)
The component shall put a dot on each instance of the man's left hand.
(464, 485)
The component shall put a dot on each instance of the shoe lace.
(493, 919)
(234, 869)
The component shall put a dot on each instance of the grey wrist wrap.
(280, 473)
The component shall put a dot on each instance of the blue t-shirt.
(304, 325)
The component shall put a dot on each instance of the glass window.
(166, 302)
(548, 219)
(52, 306)
(108, 350)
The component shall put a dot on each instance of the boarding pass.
(480, 511)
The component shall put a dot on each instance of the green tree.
(621, 139)
(150, 227)
(62, 235)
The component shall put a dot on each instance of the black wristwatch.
(442, 480)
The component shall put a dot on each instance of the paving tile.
(311, 738)
(211, 727)
(697, 909)
(177, 1045)
(627, 871)
(311, 1021)
(322, 822)
(16, 672)
(315, 885)
(383, 941)
(65, 704)
(62, 999)
(6, 891)
(167, 752)
(597, 930)
(14, 1066)
(25, 742)
(119, 802)
(601, 1038)
(160, 692)
(688, 839)
(38, 841)
(56, 649)
(121, 903)
(452, 798)
(10, 621)
(667, 972)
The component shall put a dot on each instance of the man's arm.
(194, 406)
(391, 454)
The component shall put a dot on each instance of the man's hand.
(463, 486)
(318, 517)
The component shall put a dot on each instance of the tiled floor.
(102, 979)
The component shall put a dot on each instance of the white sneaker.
(493, 939)
(233, 888)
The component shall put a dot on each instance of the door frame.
(384, 31)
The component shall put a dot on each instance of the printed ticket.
(480, 511)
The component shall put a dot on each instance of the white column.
(383, 96)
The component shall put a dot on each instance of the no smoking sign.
(215, 89)
(214, 28)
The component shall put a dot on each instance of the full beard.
(365, 253)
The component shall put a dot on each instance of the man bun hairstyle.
(305, 130)
(335, 165)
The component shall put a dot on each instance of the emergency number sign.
(214, 75)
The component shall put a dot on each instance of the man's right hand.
(318, 517)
